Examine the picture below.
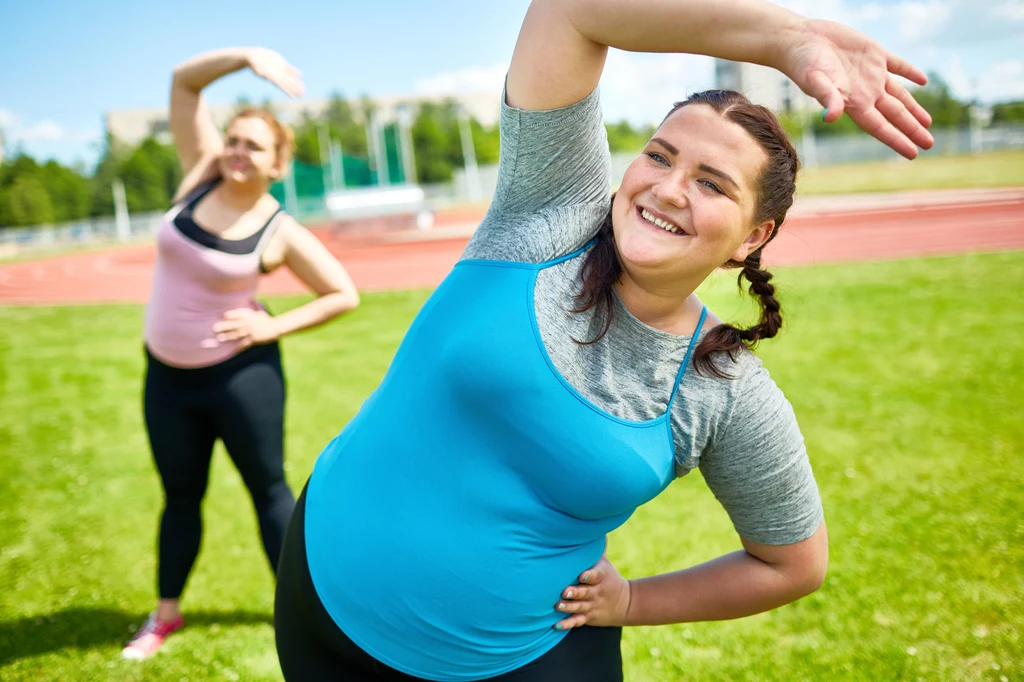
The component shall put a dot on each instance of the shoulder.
(289, 236)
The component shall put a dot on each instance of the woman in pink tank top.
(214, 366)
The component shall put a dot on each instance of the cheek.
(718, 222)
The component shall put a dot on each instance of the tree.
(938, 101)
(1008, 112)
(25, 202)
(429, 140)
(623, 137)
(68, 191)
(145, 181)
(307, 142)
(101, 200)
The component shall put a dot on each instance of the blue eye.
(657, 158)
(712, 186)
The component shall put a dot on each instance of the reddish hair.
(284, 138)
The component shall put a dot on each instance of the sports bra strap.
(689, 352)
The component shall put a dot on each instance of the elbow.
(345, 300)
(352, 300)
(811, 577)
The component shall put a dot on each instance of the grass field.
(907, 377)
(992, 169)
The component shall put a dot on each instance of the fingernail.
(824, 114)
(558, 627)
(585, 577)
(568, 594)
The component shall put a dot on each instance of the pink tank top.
(198, 277)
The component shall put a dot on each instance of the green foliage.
(68, 191)
(435, 137)
(938, 101)
(1008, 112)
(31, 194)
(623, 137)
(25, 202)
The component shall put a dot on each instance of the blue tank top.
(473, 486)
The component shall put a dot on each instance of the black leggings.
(240, 401)
(312, 648)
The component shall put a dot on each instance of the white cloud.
(641, 88)
(43, 130)
(46, 131)
(7, 118)
(472, 79)
(1001, 81)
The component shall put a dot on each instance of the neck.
(241, 195)
(671, 307)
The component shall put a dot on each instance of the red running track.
(820, 231)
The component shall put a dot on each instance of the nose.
(671, 191)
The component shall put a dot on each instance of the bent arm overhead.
(196, 138)
(562, 47)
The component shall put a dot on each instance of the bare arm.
(743, 583)
(313, 264)
(196, 138)
(315, 267)
(761, 578)
(562, 47)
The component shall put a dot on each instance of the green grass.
(907, 377)
(992, 169)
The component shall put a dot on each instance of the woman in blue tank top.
(565, 373)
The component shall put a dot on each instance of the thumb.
(821, 88)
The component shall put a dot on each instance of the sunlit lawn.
(907, 377)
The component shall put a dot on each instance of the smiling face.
(687, 204)
(250, 152)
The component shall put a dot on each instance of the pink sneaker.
(150, 636)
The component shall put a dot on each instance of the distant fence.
(307, 201)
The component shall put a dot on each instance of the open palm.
(847, 71)
(273, 67)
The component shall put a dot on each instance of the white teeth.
(659, 222)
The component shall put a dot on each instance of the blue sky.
(66, 63)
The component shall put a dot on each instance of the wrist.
(629, 615)
(795, 33)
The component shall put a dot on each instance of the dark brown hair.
(775, 190)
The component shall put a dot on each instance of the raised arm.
(562, 47)
(196, 138)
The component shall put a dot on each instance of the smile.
(649, 217)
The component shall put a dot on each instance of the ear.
(758, 237)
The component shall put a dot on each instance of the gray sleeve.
(554, 183)
(757, 466)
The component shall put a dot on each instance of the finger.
(571, 622)
(904, 96)
(576, 592)
(901, 67)
(872, 122)
(591, 576)
(825, 91)
(233, 335)
(897, 114)
(573, 606)
(227, 325)
(237, 314)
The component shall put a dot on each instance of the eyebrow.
(703, 167)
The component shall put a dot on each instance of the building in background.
(763, 85)
(132, 126)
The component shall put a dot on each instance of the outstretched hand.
(274, 68)
(846, 71)
(600, 599)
